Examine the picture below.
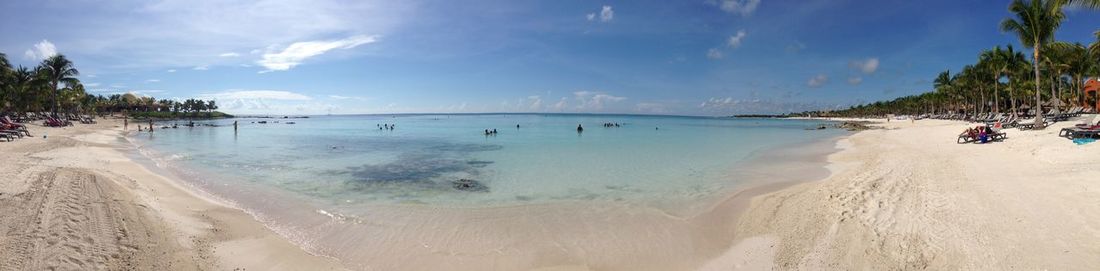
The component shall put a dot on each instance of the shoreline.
(720, 209)
(114, 213)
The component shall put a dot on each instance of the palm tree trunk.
(981, 92)
(1012, 99)
(1038, 96)
(53, 96)
(996, 98)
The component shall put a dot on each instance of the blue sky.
(704, 57)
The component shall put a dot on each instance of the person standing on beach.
(150, 125)
(580, 129)
(125, 123)
(234, 126)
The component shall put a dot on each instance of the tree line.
(1005, 79)
(53, 86)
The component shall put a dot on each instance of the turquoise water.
(633, 197)
(342, 160)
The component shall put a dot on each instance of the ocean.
(315, 179)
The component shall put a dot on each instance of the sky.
(693, 57)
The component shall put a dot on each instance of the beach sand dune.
(907, 197)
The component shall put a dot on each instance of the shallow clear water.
(628, 198)
(343, 160)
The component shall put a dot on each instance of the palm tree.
(58, 69)
(1035, 23)
(1077, 63)
(6, 91)
(943, 84)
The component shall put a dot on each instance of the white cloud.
(561, 104)
(153, 81)
(741, 7)
(735, 40)
(591, 16)
(534, 103)
(855, 80)
(817, 81)
(172, 70)
(606, 14)
(91, 85)
(41, 50)
(229, 54)
(90, 76)
(651, 108)
(201, 68)
(714, 53)
(257, 94)
(340, 97)
(867, 66)
(203, 29)
(594, 101)
(297, 52)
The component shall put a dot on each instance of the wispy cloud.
(594, 101)
(229, 54)
(201, 30)
(293, 55)
(534, 103)
(855, 80)
(172, 70)
(91, 85)
(41, 50)
(714, 53)
(341, 97)
(257, 94)
(153, 81)
(735, 40)
(560, 105)
(817, 81)
(740, 7)
(796, 47)
(653, 108)
(867, 66)
(201, 68)
(606, 14)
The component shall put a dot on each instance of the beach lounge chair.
(1089, 127)
(8, 125)
(997, 134)
(56, 122)
(7, 136)
(965, 137)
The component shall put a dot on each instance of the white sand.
(74, 201)
(908, 197)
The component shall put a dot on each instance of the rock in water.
(469, 185)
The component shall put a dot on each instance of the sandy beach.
(75, 201)
(903, 197)
(908, 197)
